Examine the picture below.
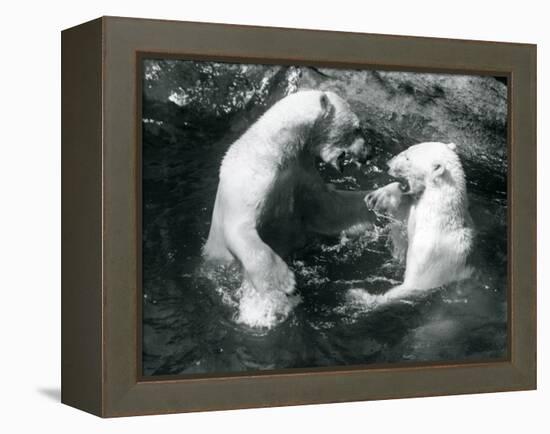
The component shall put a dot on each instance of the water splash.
(263, 309)
(252, 307)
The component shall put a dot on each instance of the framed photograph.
(258, 217)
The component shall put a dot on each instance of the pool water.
(191, 314)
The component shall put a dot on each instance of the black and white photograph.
(298, 216)
(278, 217)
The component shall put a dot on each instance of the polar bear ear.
(326, 106)
(451, 146)
(324, 101)
(438, 169)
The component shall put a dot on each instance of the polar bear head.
(317, 123)
(426, 165)
(338, 135)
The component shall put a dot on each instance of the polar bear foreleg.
(373, 301)
(261, 265)
(391, 202)
(332, 211)
(418, 273)
(399, 292)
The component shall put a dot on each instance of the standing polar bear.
(431, 201)
(270, 194)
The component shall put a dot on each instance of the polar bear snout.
(360, 151)
(411, 177)
(397, 166)
(366, 154)
(340, 162)
(339, 157)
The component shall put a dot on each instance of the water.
(197, 319)
(191, 313)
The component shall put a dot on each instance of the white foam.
(263, 309)
(253, 308)
(360, 298)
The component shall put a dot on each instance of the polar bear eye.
(357, 131)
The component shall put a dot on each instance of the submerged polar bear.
(431, 201)
(270, 195)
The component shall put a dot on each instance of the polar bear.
(270, 194)
(430, 201)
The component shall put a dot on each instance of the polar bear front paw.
(281, 277)
(384, 199)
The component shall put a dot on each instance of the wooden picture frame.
(100, 222)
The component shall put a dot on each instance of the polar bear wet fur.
(270, 194)
(431, 202)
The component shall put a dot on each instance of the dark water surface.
(189, 316)
(189, 320)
